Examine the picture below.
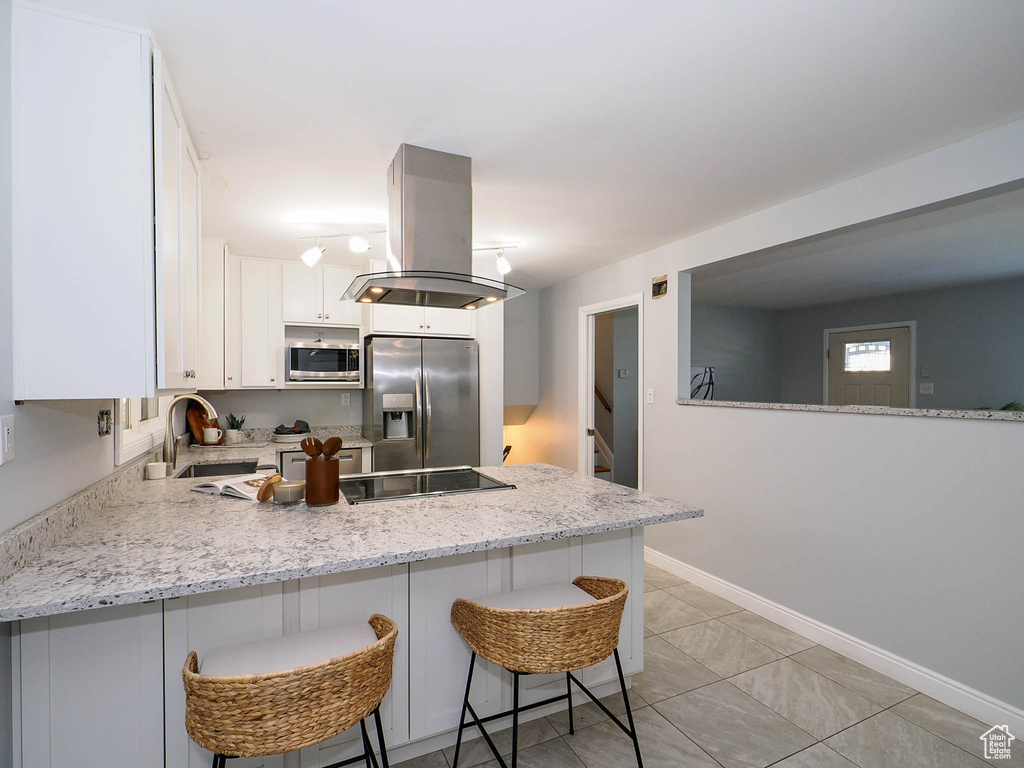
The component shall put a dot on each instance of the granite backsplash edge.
(22, 543)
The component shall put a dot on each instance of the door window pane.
(864, 356)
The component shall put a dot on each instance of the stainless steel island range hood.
(430, 233)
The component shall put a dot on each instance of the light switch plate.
(926, 389)
(650, 396)
(6, 439)
(346, 398)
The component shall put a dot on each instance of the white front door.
(869, 367)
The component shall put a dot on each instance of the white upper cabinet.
(106, 214)
(312, 295)
(253, 327)
(212, 257)
(82, 162)
(421, 321)
(337, 312)
(178, 231)
(303, 293)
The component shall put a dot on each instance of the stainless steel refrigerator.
(421, 406)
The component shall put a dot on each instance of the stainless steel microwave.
(324, 361)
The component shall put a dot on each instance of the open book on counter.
(242, 487)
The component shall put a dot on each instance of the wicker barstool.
(277, 695)
(555, 628)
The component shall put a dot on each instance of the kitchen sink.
(214, 469)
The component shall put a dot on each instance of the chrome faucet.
(170, 444)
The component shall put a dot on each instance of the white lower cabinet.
(616, 554)
(619, 554)
(103, 688)
(438, 656)
(90, 686)
(349, 598)
(201, 623)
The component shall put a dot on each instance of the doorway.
(870, 365)
(611, 380)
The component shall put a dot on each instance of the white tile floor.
(724, 688)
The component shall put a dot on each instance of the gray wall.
(522, 326)
(907, 565)
(604, 377)
(743, 346)
(971, 338)
(270, 407)
(58, 450)
(624, 402)
(6, 352)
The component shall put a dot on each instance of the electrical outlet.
(6, 439)
(650, 396)
(623, 373)
(346, 398)
(926, 389)
(104, 423)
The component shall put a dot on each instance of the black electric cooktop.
(416, 483)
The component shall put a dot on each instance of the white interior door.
(586, 397)
(869, 367)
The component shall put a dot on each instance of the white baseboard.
(989, 710)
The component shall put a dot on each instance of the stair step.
(598, 468)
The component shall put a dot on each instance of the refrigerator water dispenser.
(398, 410)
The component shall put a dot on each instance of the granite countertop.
(160, 540)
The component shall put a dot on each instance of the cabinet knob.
(327, 316)
(428, 326)
(273, 379)
(230, 378)
(319, 317)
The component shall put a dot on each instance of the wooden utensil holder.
(322, 482)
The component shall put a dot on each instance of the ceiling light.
(367, 301)
(312, 256)
(492, 298)
(470, 307)
(359, 245)
(503, 266)
(375, 289)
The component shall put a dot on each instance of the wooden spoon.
(312, 446)
(331, 446)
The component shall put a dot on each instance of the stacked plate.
(290, 439)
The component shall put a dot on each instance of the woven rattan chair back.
(269, 714)
(546, 640)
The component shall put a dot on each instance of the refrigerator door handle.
(426, 440)
(419, 414)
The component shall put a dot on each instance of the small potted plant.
(233, 434)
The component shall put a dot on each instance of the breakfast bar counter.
(161, 540)
(102, 618)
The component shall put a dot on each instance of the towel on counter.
(300, 428)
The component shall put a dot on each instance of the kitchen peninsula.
(166, 570)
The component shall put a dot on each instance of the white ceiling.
(967, 243)
(598, 129)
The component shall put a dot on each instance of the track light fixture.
(500, 261)
(356, 244)
(312, 256)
